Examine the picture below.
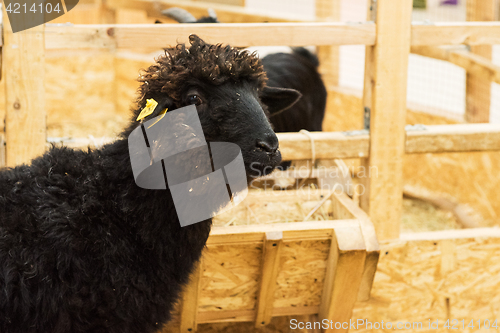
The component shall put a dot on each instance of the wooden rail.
(62, 36)
(450, 33)
(428, 139)
(474, 64)
(158, 36)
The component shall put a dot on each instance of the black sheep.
(83, 248)
(297, 70)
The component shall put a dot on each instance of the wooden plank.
(453, 138)
(344, 208)
(25, 129)
(474, 64)
(249, 315)
(260, 34)
(328, 10)
(383, 194)
(189, 303)
(343, 276)
(254, 234)
(451, 234)
(477, 88)
(269, 274)
(366, 100)
(247, 34)
(449, 33)
(296, 146)
(225, 13)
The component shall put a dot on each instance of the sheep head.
(228, 87)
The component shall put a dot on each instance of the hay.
(420, 216)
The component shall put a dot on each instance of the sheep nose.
(269, 145)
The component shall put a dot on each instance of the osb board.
(301, 274)
(437, 280)
(231, 274)
(127, 68)
(80, 94)
(469, 178)
(230, 277)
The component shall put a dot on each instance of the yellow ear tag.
(148, 109)
(162, 114)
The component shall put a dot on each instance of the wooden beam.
(25, 123)
(345, 208)
(189, 303)
(244, 34)
(454, 138)
(259, 34)
(451, 33)
(427, 139)
(255, 234)
(249, 315)
(474, 64)
(225, 13)
(343, 276)
(296, 146)
(269, 274)
(383, 195)
(478, 89)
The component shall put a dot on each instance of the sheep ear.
(279, 99)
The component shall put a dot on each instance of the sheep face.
(233, 112)
(228, 87)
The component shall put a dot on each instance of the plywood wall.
(470, 178)
(435, 279)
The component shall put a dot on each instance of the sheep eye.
(194, 99)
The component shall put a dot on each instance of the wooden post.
(25, 116)
(386, 71)
(329, 10)
(478, 90)
(270, 265)
(343, 277)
